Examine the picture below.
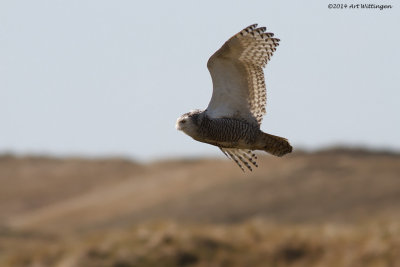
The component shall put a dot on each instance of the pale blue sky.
(98, 78)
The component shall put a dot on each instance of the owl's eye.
(183, 121)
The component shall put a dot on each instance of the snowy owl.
(233, 117)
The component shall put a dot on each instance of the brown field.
(335, 207)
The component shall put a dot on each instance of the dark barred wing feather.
(237, 73)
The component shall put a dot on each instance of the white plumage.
(237, 75)
(233, 116)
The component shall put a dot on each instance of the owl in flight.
(233, 117)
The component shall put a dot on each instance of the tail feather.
(275, 145)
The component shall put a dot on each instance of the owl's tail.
(275, 145)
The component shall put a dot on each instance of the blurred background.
(93, 172)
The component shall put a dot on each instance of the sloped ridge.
(333, 185)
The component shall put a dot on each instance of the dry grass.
(251, 243)
(330, 208)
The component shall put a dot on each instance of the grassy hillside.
(329, 208)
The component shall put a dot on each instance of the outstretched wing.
(241, 156)
(237, 75)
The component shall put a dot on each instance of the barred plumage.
(227, 130)
(248, 51)
(233, 117)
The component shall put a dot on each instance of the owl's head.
(188, 122)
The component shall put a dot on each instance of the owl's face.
(188, 123)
